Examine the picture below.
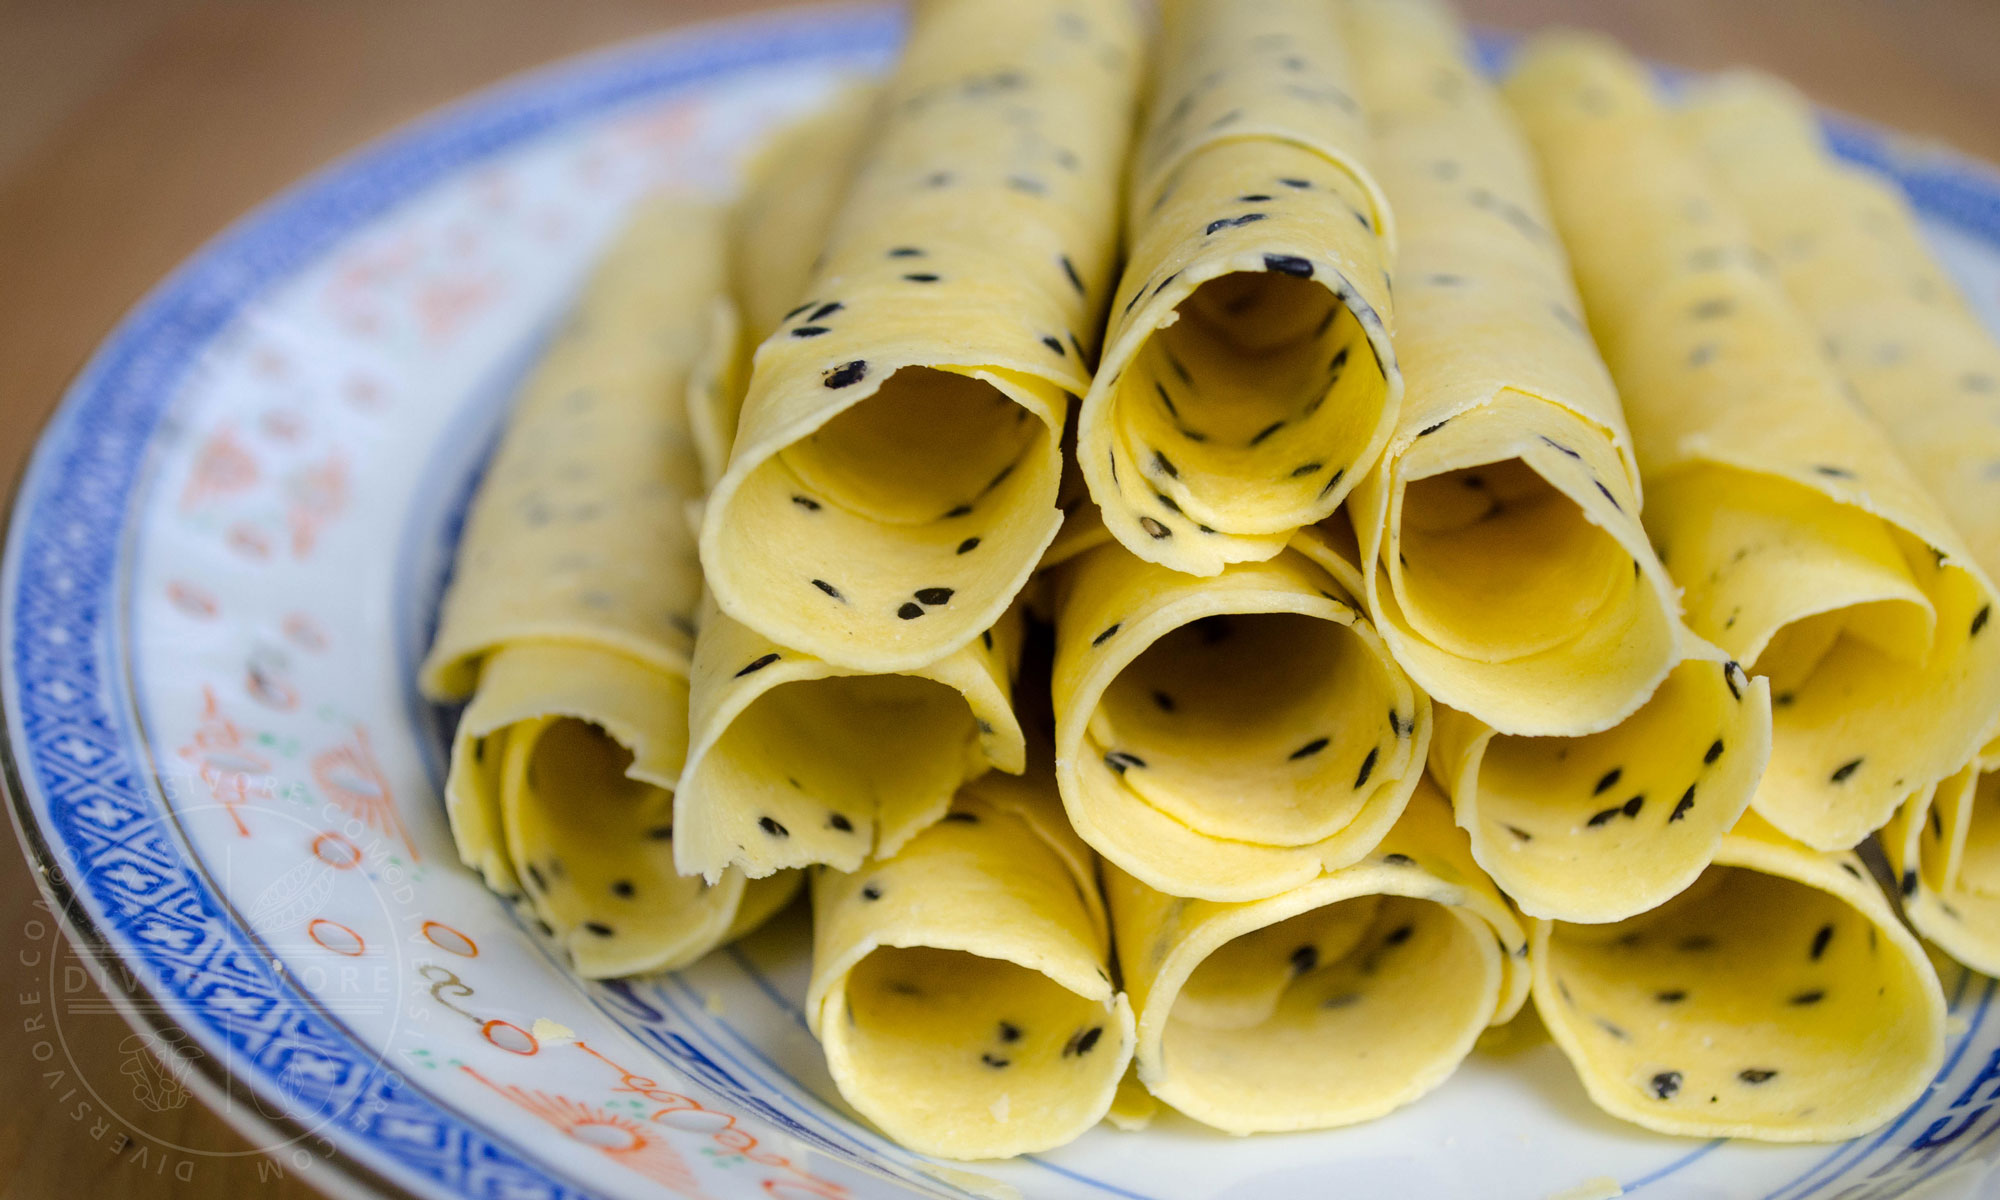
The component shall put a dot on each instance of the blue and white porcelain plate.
(223, 564)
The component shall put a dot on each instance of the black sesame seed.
(1101, 638)
(1607, 495)
(1820, 940)
(1083, 1043)
(1633, 805)
(1009, 1032)
(1309, 749)
(599, 928)
(1670, 997)
(1811, 997)
(1289, 264)
(1842, 772)
(987, 637)
(910, 611)
(934, 595)
(1398, 935)
(828, 588)
(921, 277)
(846, 374)
(962, 510)
(906, 252)
(1682, 805)
(535, 877)
(1165, 464)
(1399, 860)
(1307, 469)
(968, 545)
(623, 888)
(1835, 472)
(1519, 832)
(1756, 1074)
(1154, 528)
(1714, 752)
(1613, 1030)
(1053, 343)
(801, 308)
(1120, 761)
(757, 664)
(1666, 1083)
(771, 826)
(661, 833)
(1296, 183)
(1367, 766)
(871, 891)
(1910, 882)
(1164, 701)
(826, 310)
(1604, 817)
(1609, 781)
(1267, 431)
(1729, 670)
(1980, 618)
(994, 1061)
(806, 502)
(806, 331)
(1428, 430)
(1304, 959)
(1076, 281)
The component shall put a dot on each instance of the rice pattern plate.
(224, 562)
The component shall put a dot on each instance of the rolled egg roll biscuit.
(1505, 561)
(568, 621)
(1606, 825)
(1779, 998)
(1850, 253)
(1247, 380)
(1804, 545)
(794, 185)
(1228, 737)
(900, 441)
(962, 987)
(796, 761)
(1331, 1003)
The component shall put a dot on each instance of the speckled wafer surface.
(900, 439)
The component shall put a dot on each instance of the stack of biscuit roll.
(1848, 251)
(1595, 750)
(569, 621)
(1807, 548)
(1233, 552)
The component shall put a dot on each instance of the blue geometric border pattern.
(76, 757)
(71, 742)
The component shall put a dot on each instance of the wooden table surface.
(132, 130)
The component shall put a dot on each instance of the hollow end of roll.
(1496, 563)
(1273, 728)
(964, 1056)
(944, 483)
(1752, 1005)
(593, 850)
(1251, 406)
(1333, 1016)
